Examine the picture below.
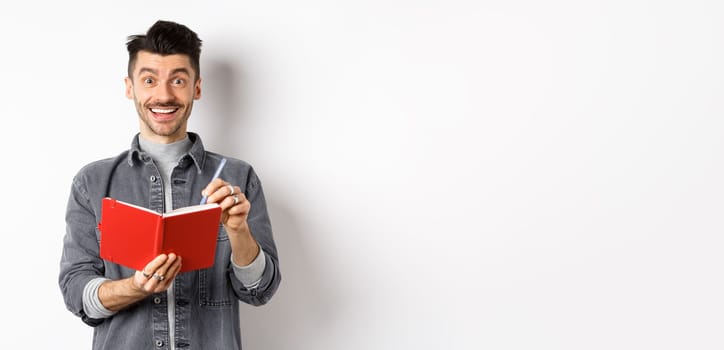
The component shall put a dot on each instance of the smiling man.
(167, 167)
(163, 89)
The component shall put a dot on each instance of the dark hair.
(165, 38)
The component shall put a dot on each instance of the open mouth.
(163, 112)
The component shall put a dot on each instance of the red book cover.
(132, 235)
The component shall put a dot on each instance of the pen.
(216, 174)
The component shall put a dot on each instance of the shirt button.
(153, 178)
(159, 343)
(156, 300)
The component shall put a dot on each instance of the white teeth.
(157, 110)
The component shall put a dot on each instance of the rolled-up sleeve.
(80, 262)
(260, 224)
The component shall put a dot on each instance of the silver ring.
(236, 200)
(145, 274)
(231, 188)
(159, 277)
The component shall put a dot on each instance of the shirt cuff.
(250, 275)
(92, 303)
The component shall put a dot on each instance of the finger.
(213, 186)
(225, 197)
(174, 270)
(161, 279)
(150, 284)
(218, 194)
(145, 277)
(240, 208)
(164, 282)
(160, 273)
(235, 217)
(228, 202)
(140, 280)
(156, 263)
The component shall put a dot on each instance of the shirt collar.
(197, 152)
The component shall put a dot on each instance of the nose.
(164, 93)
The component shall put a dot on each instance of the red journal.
(132, 236)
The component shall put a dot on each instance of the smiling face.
(163, 89)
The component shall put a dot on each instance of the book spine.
(158, 243)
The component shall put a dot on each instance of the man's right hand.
(156, 277)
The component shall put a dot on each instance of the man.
(166, 168)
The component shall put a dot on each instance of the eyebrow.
(155, 72)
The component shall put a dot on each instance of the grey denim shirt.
(207, 308)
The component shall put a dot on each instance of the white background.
(441, 174)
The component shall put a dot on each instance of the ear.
(197, 89)
(129, 88)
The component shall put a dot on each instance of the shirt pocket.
(214, 286)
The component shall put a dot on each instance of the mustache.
(162, 105)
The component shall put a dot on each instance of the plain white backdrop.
(440, 174)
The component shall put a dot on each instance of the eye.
(148, 81)
(179, 82)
